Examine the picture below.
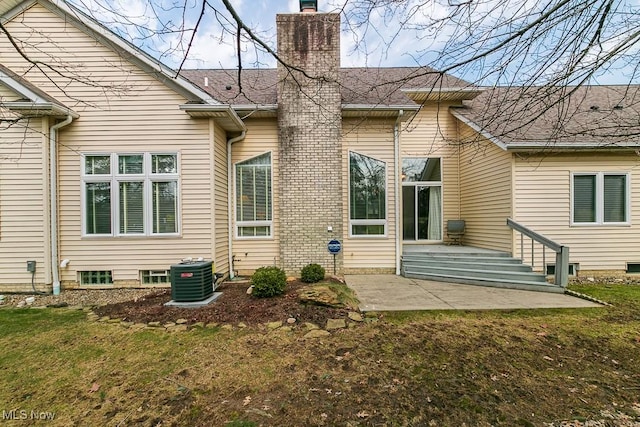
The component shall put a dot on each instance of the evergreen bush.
(312, 273)
(268, 282)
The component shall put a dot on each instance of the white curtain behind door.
(434, 229)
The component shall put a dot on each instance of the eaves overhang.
(223, 114)
(556, 146)
(379, 111)
(31, 109)
(255, 111)
(435, 94)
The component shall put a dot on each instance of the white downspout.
(53, 195)
(230, 197)
(398, 168)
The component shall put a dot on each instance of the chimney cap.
(308, 5)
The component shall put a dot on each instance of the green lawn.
(521, 367)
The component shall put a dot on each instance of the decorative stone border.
(181, 325)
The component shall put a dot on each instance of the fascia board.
(20, 89)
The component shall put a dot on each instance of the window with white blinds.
(130, 194)
(600, 198)
(254, 197)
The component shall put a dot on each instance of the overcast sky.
(213, 48)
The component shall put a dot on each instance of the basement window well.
(633, 268)
(551, 269)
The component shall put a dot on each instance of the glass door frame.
(421, 172)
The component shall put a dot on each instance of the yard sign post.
(334, 248)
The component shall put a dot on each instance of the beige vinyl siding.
(373, 138)
(23, 206)
(7, 94)
(486, 192)
(122, 110)
(253, 253)
(433, 133)
(543, 203)
(220, 202)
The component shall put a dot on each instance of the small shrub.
(268, 282)
(312, 273)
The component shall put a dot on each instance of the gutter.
(230, 142)
(396, 155)
(53, 195)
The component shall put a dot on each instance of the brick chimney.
(309, 120)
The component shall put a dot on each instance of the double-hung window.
(130, 194)
(253, 197)
(600, 198)
(367, 196)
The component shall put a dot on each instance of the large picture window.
(600, 198)
(130, 194)
(367, 196)
(253, 197)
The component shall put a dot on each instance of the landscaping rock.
(335, 324)
(356, 317)
(291, 320)
(320, 295)
(153, 324)
(316, 333)
(181, 321)
(274, 325)
(311, 326)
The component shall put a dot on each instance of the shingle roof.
(602, 116)
(368, 86)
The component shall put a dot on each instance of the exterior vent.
(192, 281)
(308, 5)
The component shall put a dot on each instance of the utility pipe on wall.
(398, 172)
(53, 196)
(230, 197)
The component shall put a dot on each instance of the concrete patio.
(396, 293)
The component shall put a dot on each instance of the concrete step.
(463, 270)
(497, 283)
(473, 264)
(461, 257)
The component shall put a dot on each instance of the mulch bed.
(232, 307)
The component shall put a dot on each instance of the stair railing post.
(562, 267)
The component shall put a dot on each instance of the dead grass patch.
(488, 368)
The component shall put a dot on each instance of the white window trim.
(600, 200)
(239, 224)
(114, 178)
(384, 222)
